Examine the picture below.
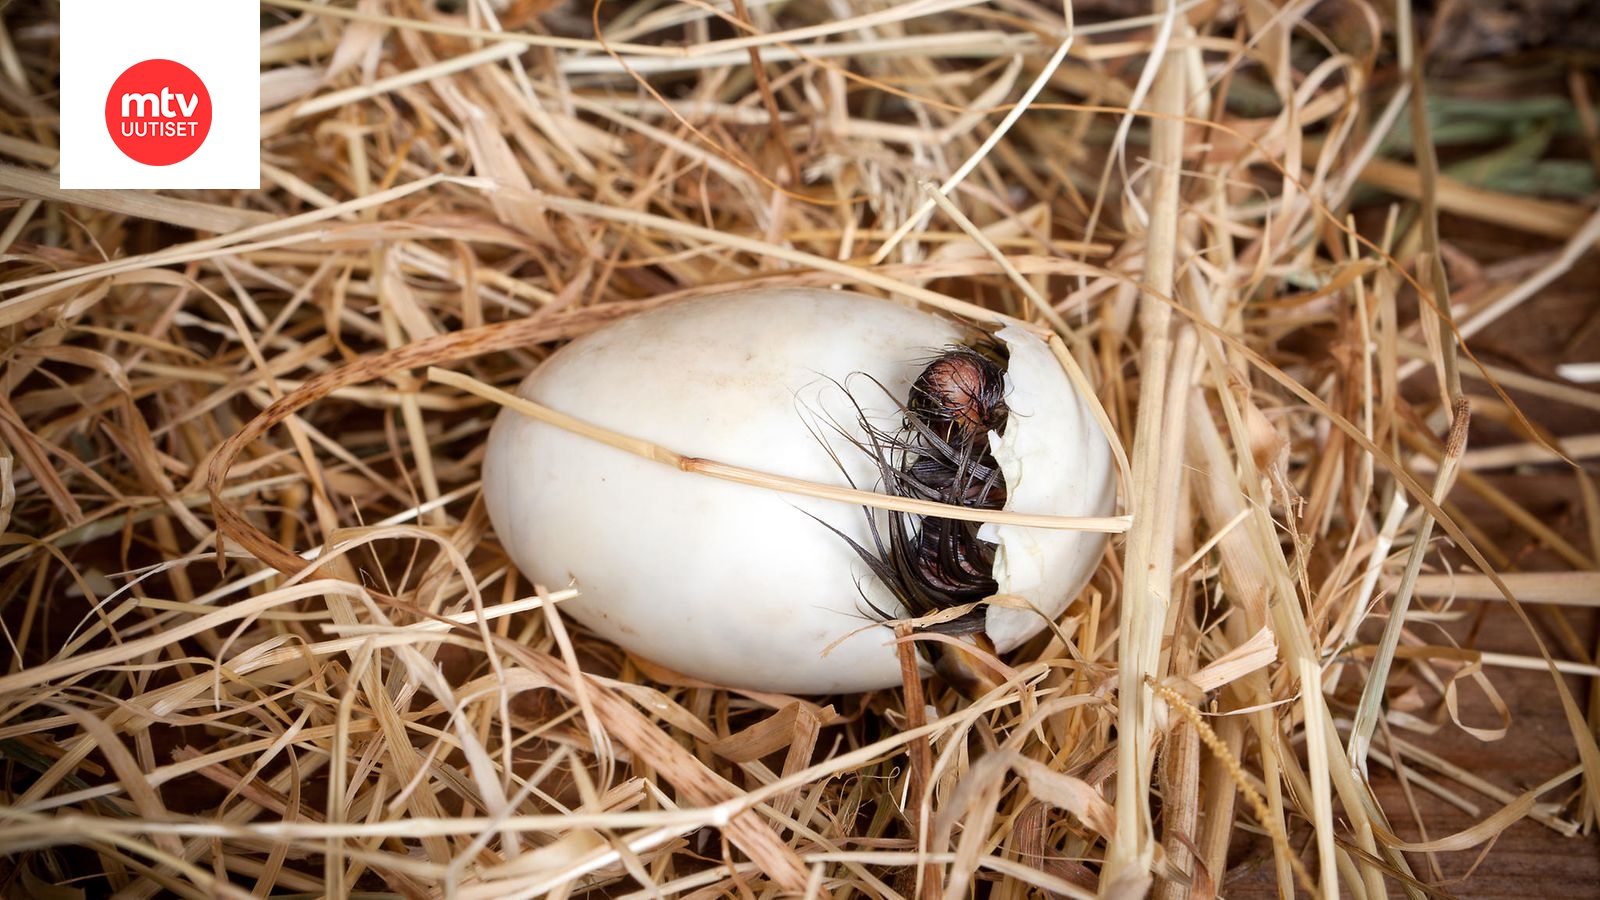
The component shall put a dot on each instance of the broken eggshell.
(742, 586)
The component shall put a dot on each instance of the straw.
(266, 641)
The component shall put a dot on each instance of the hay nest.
(266, 642)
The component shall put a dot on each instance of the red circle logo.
(158, 112)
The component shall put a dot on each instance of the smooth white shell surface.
(738, 585)
(1055, 460)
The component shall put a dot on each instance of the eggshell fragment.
(738, 585)
(1055, 460)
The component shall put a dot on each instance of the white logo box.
(220, 40)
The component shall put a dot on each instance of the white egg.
(738, 585)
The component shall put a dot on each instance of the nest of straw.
(266, 643)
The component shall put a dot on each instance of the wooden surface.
(1528, 859)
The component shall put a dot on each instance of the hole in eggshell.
(940, 452)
